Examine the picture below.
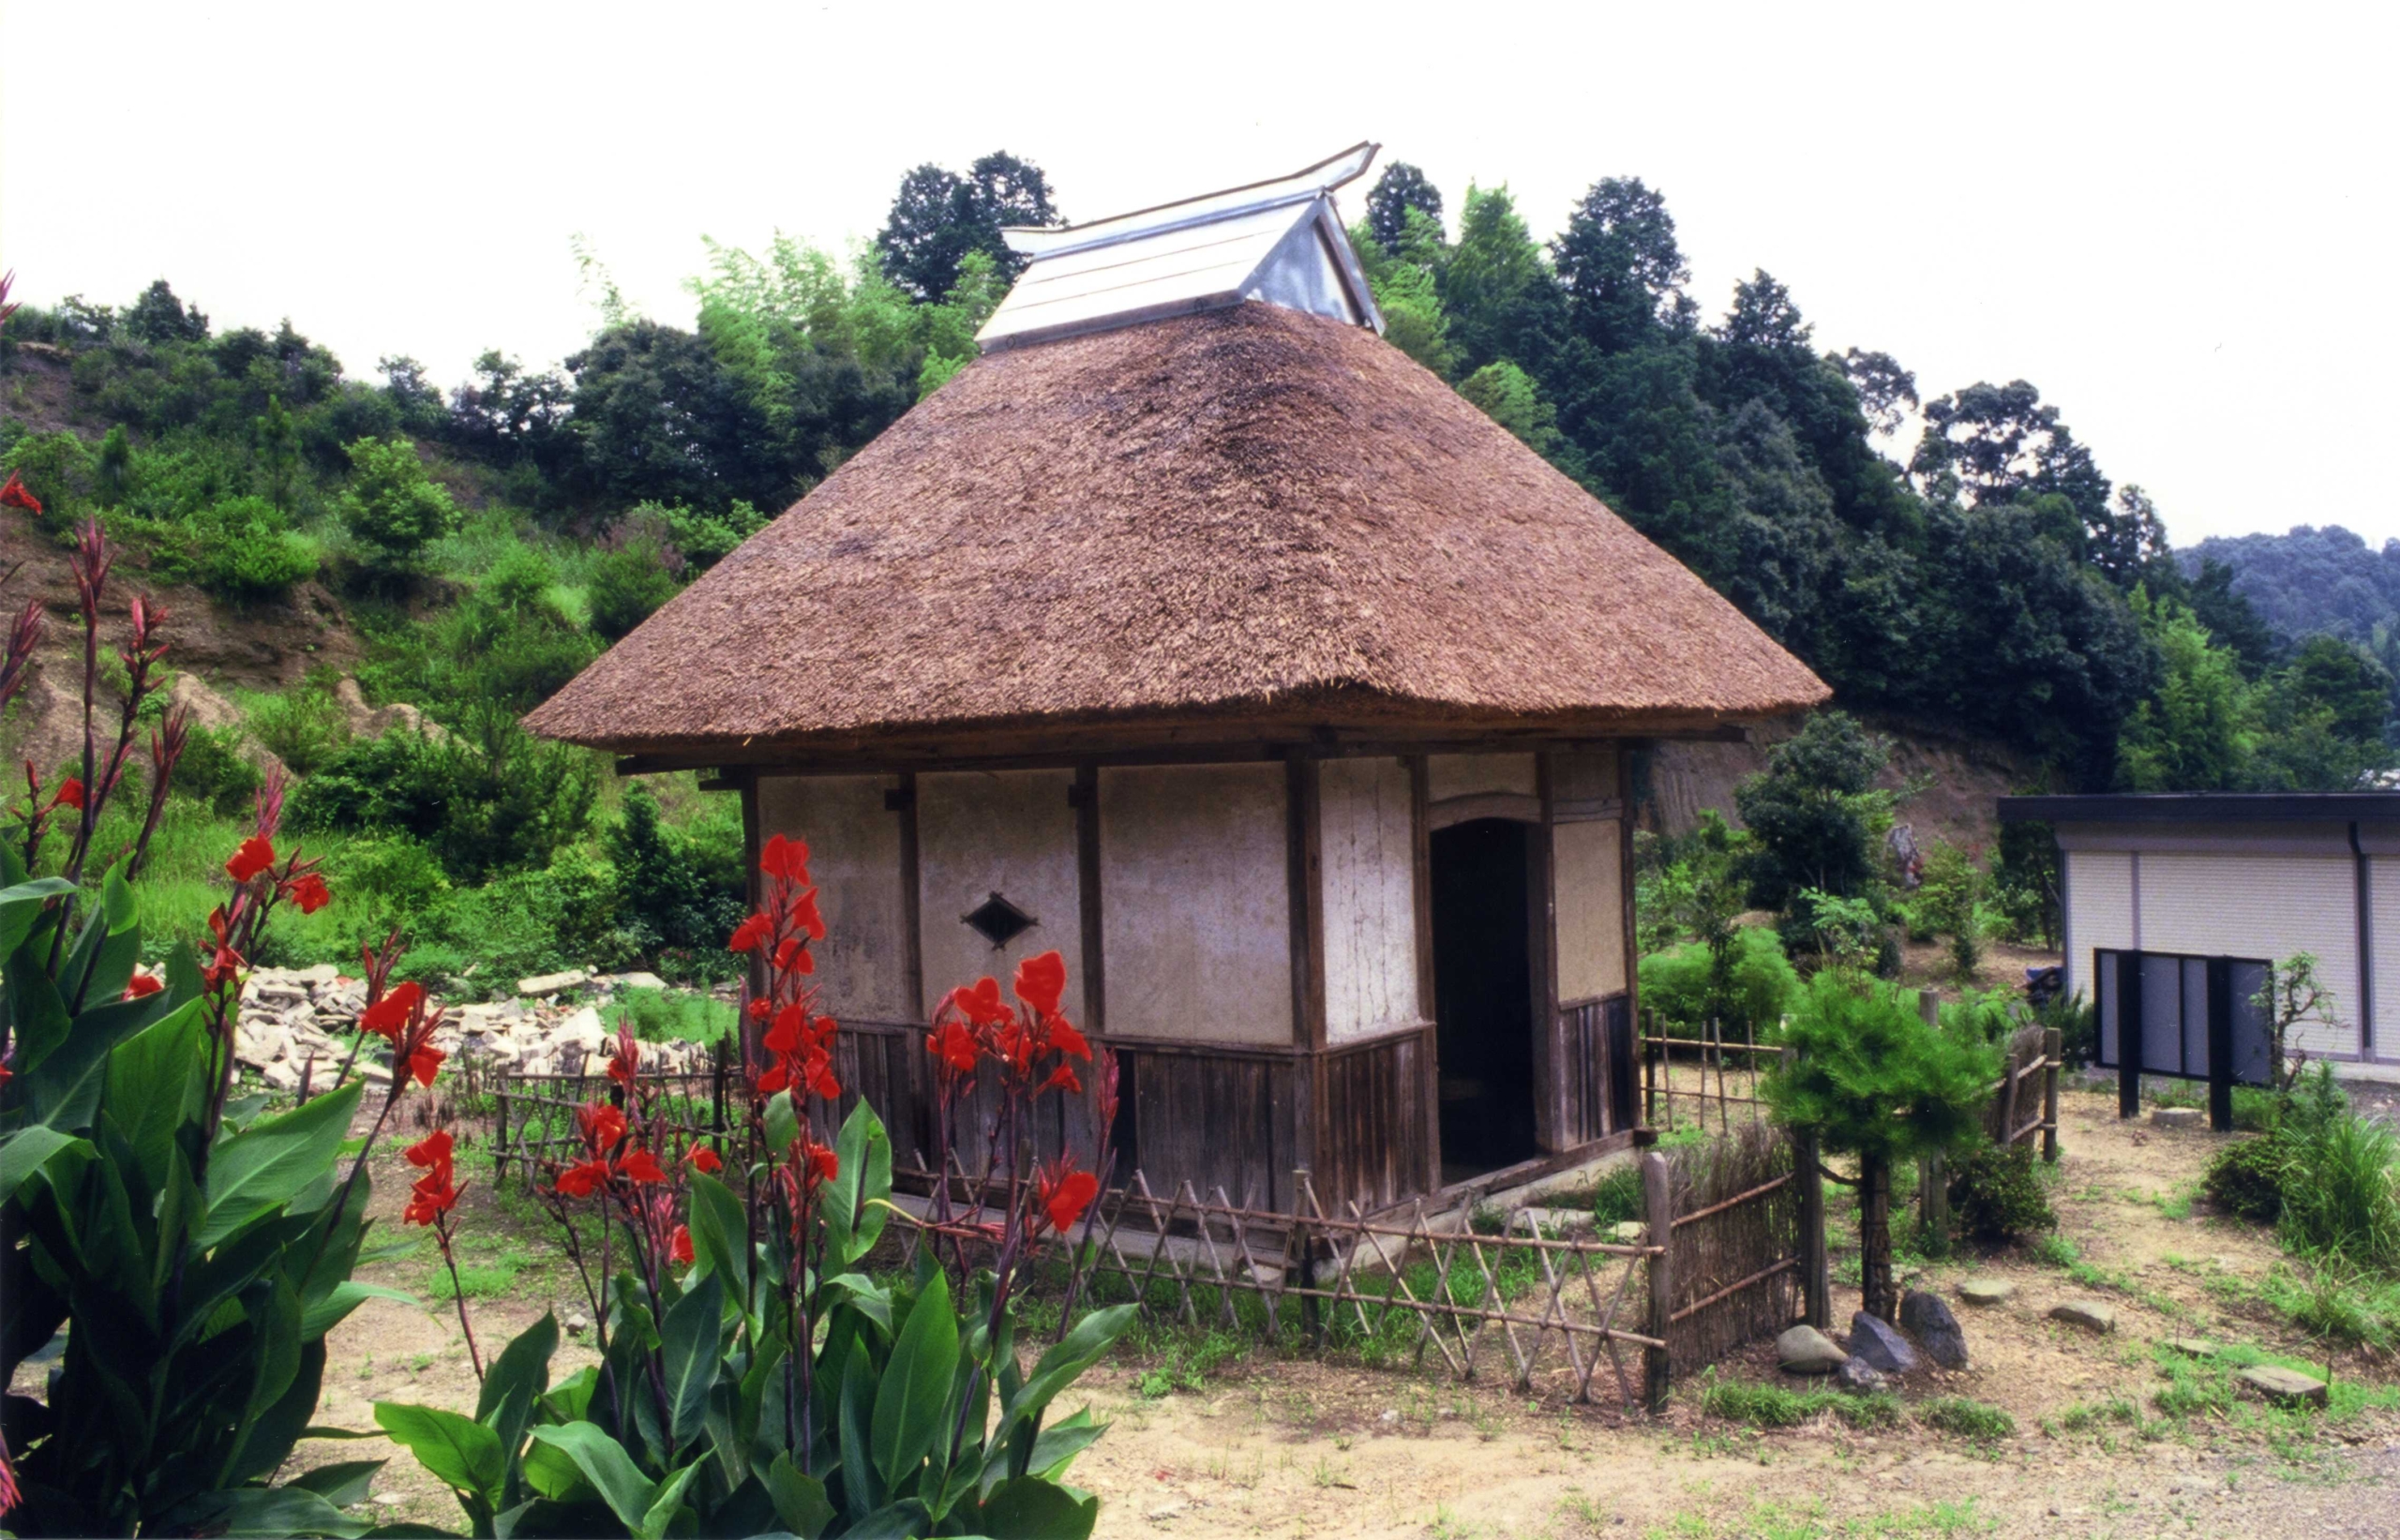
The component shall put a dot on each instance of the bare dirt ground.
(1278, 1447)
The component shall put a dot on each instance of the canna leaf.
(605, 1464)
(915, 1393)
(852, 1220)
(800, 1499)
(1030, 1508)
(721, 1235)
(782, 1122)
(689, 1357)
(271, 1162)
(666, 1502)
(342, 1484)
(1059, 1366)
(457, 1450)
(27, 1151)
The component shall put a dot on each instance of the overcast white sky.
(2174, 220)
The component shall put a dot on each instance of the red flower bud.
(679, 1246)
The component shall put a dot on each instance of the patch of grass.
(1774, 1406)
(663, 1015)
(479, 1280)
(1769, 1520)
(1967, 1418)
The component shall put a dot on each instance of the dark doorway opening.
(1483, 994)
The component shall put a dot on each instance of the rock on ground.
(2090, 1314)
(1986, 1290)
(1936, 1330)
(1882, 1345)
(2284, 1387)
(1859, 1377)
(1805, 1349)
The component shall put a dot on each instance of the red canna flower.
(310, 891)
(819, 1073)
(578, 1180)
(785, 859)
(783, 1036)
(979, 1002)
(679, 1246)
(71, 794)
(421, 1060)
(954, 1046)
(432, 1150)
(824, 1165)
(749, 933)
(640, 1166)
(789, 953)
(623, 1067)
(1067, 1040)
(704, 1159)
(255, 856)
(1040, 982)
(1063, 1078)
(433, 1195)
(14, 495)
(390, 1014)
(805, 916)
(761, 1009)
(1064, 1196)
(141, 984)
(602, 1125)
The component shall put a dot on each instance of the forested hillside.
(471, 548)
(2310, 580)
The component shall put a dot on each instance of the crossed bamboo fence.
(1731, 1238)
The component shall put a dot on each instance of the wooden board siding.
(1598, 1071)
(1214, 1115)
(879, 1061)
(1374, 1146)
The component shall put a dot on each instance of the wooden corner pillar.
(1420, 825)
(1305, 893)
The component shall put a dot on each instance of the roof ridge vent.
(1280, 241)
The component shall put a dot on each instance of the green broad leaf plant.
(174, 1253)
(755, 1377)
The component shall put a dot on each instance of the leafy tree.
(1399, 192)
(113, 467)
(2352, 688)
(416, 400)
(1508, 396)
(1885, 389)
(1816, 813)
(392, 506)
(1869, 1077)
(2194, 734)
(1763, 316)
(938, 217)
(2230, 617)
(1500, 296)
(276, 443)
(1993, 445)
(157, 316)
(1621, 267)
(673, 894)
(1406, 282)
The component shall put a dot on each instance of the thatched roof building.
(1196, 567)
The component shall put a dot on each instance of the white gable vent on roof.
(1280, 242)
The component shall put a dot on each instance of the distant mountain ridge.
(2310, 579)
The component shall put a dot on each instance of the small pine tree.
(1872, 1078)
(392, 505)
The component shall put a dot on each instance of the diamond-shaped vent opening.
(998, 921)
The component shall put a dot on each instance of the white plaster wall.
(2099, 911)
(1586, 863)
(854, 854)
(2383, 879)
(1195, 915)
(1450, 775)
(1368, 870)
(2263, 906)
(1009, 833)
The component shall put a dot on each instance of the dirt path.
(1297, 1448)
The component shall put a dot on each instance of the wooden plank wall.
(1597, 1036)
(1374, 1145)
(1219, 1116)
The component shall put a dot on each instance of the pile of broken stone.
(556, 1024)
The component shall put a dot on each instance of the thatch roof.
(1214, 527)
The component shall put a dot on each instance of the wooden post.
(2220, 1025)
(2053, 1046)
(2128, 966)
(1657, 1197)
(1312, 1318)
(1816, 1295)
(1932, 1178)
(499, 1144)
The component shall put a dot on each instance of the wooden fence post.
(2053, 1048)
(1642, 1026)
(500, 1145)
(1311, 1317)
(1658, 1201)
(1932, 1178)
(1816, 1295)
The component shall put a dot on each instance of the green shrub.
(2338, 1195)
(495, 800)
(682, 890)
(305, 727)
(1996, 1197)
(391, 880)
(627, 584)
(2247, 1178)
(241, 550)
(521, 923)
(1674, 984)
(213, 772)
(1619, 1196)
(1948, 901)
(392, 506)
